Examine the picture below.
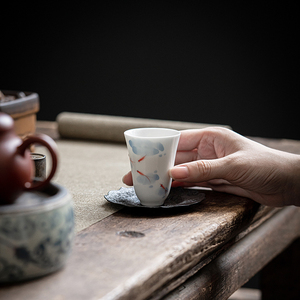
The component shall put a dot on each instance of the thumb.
(200, 170)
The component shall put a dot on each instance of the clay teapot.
(16, 166)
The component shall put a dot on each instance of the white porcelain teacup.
(152, 153)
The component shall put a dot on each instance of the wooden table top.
(173, 246)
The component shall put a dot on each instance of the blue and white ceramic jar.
(36, 234)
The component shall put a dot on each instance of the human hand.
(228, 162)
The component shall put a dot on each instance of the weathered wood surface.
(174, 245)
(292, 146)
(107, 265)
(47, 127)
(242, 260)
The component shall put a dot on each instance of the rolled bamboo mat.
(111, 128)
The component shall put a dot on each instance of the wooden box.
(22, 107)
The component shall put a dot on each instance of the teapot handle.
(48, 142)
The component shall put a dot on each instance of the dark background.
(226, 63)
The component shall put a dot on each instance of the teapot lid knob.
(6, 122)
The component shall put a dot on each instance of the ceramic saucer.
(178, 197)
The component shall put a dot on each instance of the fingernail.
(179, 172)
(124, 179)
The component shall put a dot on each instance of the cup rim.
(171, 132)
(37, 156)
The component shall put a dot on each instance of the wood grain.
(106, 265)
(241, 261)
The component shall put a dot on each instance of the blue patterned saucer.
(178, 197)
